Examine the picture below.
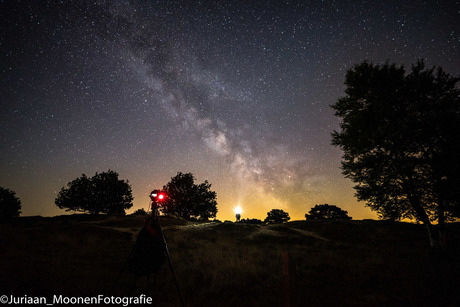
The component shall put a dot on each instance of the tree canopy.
(251, 221)
(102, 193)
(140, 211)
(10, 205)
(277, 216)
(327, 212)
(189, 200)
(400, 135)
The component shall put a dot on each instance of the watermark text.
(57, 300)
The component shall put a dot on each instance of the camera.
(157, 196)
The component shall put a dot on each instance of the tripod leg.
(147, 286)
(133, 287)
(121, 271)
(174, 278)
(157, 220)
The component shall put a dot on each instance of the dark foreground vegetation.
(341, 263)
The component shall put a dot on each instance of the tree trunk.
(435, 238)
(442, 236)
(431, 235)
(415, 202)
(434, 242)
(441, 224)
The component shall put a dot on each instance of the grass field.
(333, 263)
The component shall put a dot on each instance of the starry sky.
(236, 92)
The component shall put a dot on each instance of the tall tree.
(327, 212)
(277, 216)
(400, 134)
(189, 200)
(10, 205)
(103, 192)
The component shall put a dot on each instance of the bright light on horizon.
(238, 210)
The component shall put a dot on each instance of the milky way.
(238, 94)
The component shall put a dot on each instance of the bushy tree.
(251, 221)
(327, 212)
(400, 135)
(277, 216)
(140, 211)
(189, 200)
(102, 193)
(10, 205)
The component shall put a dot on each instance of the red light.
(157, 196)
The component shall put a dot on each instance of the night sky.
(237, 94)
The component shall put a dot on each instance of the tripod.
(156, 220)
(152, 227)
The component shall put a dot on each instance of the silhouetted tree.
(400, 135)
(251, 221)
(277, 216)
(189, 200)
(103, 192)
(327, 212)
(140, 211)
(10, 205)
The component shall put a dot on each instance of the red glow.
(161, 196)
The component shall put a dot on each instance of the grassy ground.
(349, 263)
